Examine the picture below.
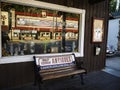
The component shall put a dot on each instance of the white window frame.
(39, 4)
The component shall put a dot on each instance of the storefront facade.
(47, 29)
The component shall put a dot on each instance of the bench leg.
(72, 76)
(82, 80)
(35, 81)
(39, 85)
(40, 82)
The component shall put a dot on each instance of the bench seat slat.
(59, 71)
(63, 74)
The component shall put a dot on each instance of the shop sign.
(56, 61)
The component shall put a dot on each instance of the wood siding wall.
(22, 73)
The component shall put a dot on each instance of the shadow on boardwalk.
(93, 81)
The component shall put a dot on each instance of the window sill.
(27, 58)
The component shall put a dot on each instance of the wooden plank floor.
(93, 81)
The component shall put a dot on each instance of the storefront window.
(30, 30)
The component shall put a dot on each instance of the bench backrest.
(49, 62)
(51, 67)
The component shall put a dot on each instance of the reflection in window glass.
(30, 30)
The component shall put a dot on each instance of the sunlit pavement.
(113, 65)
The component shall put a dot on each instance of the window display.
(32, 30)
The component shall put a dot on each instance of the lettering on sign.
(52, 62)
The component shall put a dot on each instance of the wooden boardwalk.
(93, 81)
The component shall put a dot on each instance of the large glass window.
(30, 30)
